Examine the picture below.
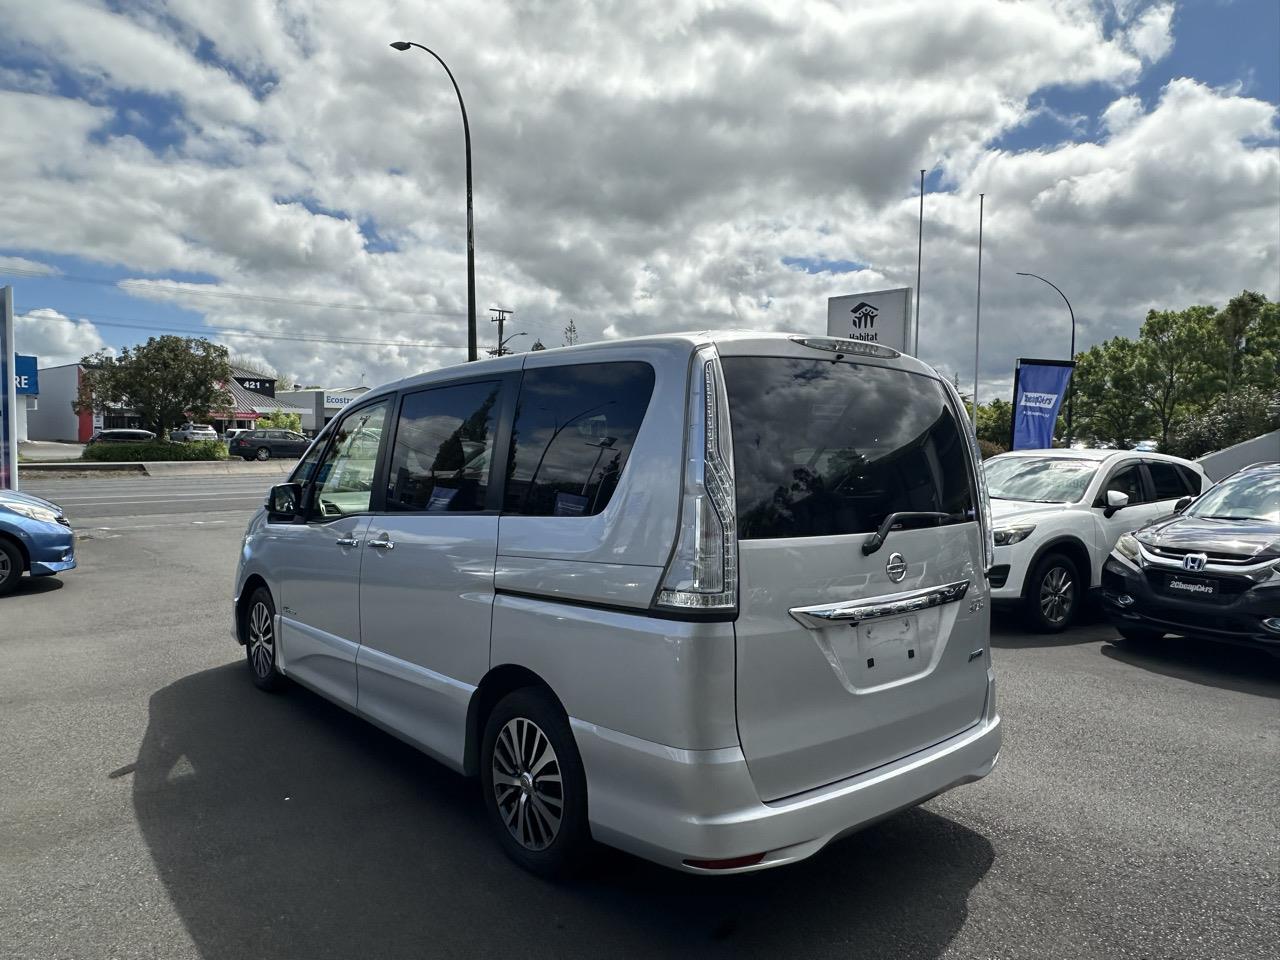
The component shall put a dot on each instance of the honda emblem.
(1194, 562)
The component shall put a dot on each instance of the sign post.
(882, 316)
(8, 395)
(1038, 389)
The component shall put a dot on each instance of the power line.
(233, 331)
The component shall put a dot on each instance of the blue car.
(35, 535)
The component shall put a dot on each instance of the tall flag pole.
(915, 350)
(977, 325)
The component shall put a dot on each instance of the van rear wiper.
(876, 540)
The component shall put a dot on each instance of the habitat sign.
(882, 316)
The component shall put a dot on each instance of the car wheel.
(260, 639)
(10, 567)
(534, 786)
(1138, 636)
(1052, 594)
(264, 453)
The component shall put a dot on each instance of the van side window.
(443, 448)
(344, 478)
(574, 429)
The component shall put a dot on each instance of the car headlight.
(1127, 547)
(33, 512)
(1004, 536)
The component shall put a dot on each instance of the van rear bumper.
(669, 805)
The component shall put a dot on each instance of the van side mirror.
(284, 502)
(1115, 501)
(1182, 504)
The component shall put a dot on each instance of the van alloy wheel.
(262, 649)
(527, 784)
(263, 453)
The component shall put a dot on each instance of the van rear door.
(851, 657)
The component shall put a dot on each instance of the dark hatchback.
(1211, 570)
(265, 444)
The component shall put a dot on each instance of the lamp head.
(402, 44)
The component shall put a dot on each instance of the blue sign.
(1038, 389)
(26, 375)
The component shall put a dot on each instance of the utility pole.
(500, 318)
(915, 349)
(977, 323)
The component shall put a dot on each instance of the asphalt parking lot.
(156, 805)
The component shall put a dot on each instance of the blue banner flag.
(26, 377)
(1038, 389)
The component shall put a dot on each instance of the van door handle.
(348, 541)
(383, 544)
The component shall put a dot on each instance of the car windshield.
(1039, 479)
(1254, 495)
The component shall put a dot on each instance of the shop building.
(319, 406)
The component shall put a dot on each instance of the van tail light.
(703, 571)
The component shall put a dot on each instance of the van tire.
(1055, 575)
(520, 716)
(260, 639)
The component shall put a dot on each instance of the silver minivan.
(713, 599)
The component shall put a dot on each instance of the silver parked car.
(714, 599)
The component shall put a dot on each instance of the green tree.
(571, 333)
(995, 422)
(279, 420)
(537, 345)
(1230, 419)
(1172, 372)
(167, 380)
(1105, 383)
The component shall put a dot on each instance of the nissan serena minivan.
(713, 599)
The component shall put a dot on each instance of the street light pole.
(1071, 389)
(471, 238)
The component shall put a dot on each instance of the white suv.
(193, 431)
(1058, 513)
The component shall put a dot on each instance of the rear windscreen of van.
(823, 448)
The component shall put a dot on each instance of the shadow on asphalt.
(284, 827)
(1222, 665)
(36, 585)
(1009, 630)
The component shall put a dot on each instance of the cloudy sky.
(274, 175)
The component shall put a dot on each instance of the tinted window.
(1126, 480)
(344, 478)
(823, 448)
(444, 443)
(1190, 478)
(574, 429)
(1167, 481)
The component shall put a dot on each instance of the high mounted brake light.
(839, 345)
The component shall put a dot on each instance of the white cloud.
(23, 265)
(55, 339)
(638, 167)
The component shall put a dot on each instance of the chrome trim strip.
(1168, 563)
(873, 608)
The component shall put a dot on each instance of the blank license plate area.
(889, 650)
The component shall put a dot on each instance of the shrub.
(989, 449)
(154, 451)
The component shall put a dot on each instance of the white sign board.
(882, 316)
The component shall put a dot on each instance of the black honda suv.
(1211, 570)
